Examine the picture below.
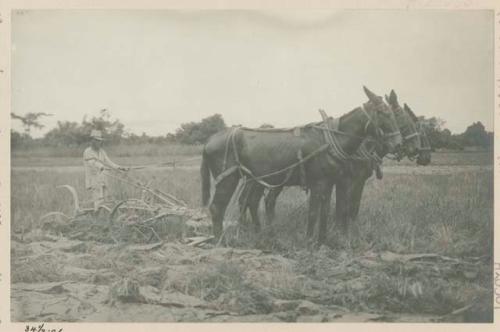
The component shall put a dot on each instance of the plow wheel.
(126, 225)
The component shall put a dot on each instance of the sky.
(155, 70)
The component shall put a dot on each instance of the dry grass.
(45, 268)
(446, 214)
(226, 284)
(452, 158)
(34, 193)
(155, 153)
(125, 154)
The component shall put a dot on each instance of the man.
(97, 164)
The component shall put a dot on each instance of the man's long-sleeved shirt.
(96, 164)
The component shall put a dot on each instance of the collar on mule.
(331, 126)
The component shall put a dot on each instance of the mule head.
(383, 124)
(424, 152)
(407, 126)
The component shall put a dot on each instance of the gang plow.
(151, 218)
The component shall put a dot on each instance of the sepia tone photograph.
(287, 166)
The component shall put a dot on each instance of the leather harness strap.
(302, 170)
(244, 171)
(331, 143)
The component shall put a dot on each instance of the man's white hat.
(96, 134)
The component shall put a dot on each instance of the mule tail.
(205, 179)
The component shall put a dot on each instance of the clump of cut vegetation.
(424, 248)
(226, 284)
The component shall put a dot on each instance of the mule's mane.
(349, 114)
(341, 118)
(310, 124)
(270, 130)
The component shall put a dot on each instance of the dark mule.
(307, 156)
(424, 153)
(412, 144)
(350, 188)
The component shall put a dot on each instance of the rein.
(400, 156)
(392, 134)
(332, 144)
(363, 154)
(244, 171)
(411, 135)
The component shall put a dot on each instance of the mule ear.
(373, 97)
(393, 98)
(409, 111)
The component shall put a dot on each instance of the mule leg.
(356, 200)
(270, 203)
(354, 205)
(243, 202)
(314, 205)
(253, 205)
(223, 193)
(342, 205)
(326, 197)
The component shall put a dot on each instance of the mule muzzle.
(423, 158)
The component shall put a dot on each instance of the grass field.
(126, 154)
(133, 155)
(448, 214)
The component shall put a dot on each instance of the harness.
(419, 132)
(337, 152)
(407, 137)
(332, 145)
(244, 171)
(423, 148)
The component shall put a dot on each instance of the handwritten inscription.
(40, 328)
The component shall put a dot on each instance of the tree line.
(474, 135)
(76, 134)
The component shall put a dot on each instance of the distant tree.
(30, 120)
(75, 134)
(432, 123)
(434, 132)
(171, 137)
(18, 139)
(66, 133)
(15, 138)
(491, 137)
(199, 132)
(440, 137)
(476, 135)
(113, 128)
